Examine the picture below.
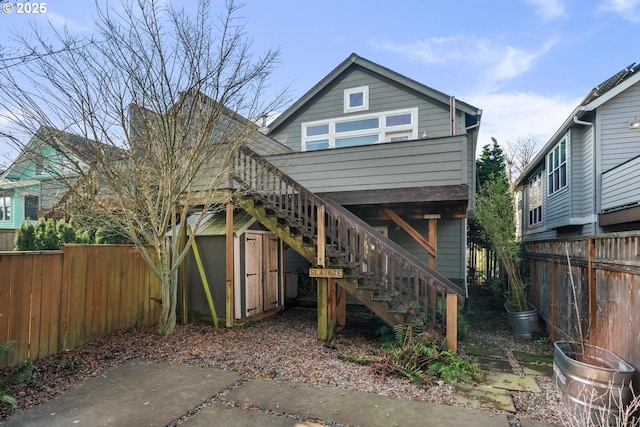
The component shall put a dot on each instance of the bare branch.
(144, 116)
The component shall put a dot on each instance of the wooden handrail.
(351, 243)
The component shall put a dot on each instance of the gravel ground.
(283, 347)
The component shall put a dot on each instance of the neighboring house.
(584, 181)
(35, 181)
(391, 150)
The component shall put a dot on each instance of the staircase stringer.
(376, 263)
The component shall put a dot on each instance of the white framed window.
(535, 199)
(356, 99)
(557, 166)
(365, 129)
(5, 208)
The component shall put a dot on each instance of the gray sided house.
(368, 179)
(585, 179)
(391, 150)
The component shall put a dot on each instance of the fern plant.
(19, 374)
(414, 352)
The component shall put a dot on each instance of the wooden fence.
(604, 272)
(56, 300)
(7, 238)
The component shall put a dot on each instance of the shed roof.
(215, 224)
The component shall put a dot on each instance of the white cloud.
(509, 116)
(549, 9)
(61, 21)
(497, 63)
(627, 9)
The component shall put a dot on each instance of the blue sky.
(525, 63)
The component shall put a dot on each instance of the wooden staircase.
(390, 281)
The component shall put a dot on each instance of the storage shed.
(257, 262)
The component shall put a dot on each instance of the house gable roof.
(39, 139)
(351, 62)
(597, 96)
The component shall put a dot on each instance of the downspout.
(452, 114)
(472, 191)
(596, 182)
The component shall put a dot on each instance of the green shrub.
(47, 237)
(26, 237)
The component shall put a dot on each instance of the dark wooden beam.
(401, 195)
(410, 211)
(415, 234)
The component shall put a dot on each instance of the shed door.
(271, 271)
(253, 272)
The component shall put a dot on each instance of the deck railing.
(364, 253)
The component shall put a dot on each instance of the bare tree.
(519, 154)
(152, 97)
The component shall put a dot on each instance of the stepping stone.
(489, 364)
(538, 370)
(521, 356)
(494, 352)
(512, 382)
(484, 396)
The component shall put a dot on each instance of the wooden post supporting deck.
(432, 237)
(229, 315)
(452, 322)
(326, 286)
(323, 308)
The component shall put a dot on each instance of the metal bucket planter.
(594, 382)
(523, 323)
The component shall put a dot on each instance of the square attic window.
(356, 99)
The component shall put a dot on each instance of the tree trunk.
(167, 320)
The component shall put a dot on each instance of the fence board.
(51, 301)
(35, 319)
(606, 273)
(5, 295)
(20, 319)
(7, 238)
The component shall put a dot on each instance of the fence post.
(591, 277)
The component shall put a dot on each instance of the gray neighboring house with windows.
(585, 180)
(395, 152)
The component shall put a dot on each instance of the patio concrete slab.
(222, 415)
(484, 396)
(494, 352)
(512, 382)
(136, 393)
(538, 370)
(355, 408)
